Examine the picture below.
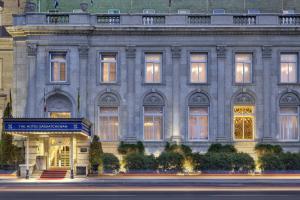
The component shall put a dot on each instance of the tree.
(96, 153)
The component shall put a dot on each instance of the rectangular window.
(288, 122)
(153, 123)
(58, 66)
(244, 120)
(243, 68)
(153, 65)
(109, 123)
(60, 114)
(198, 68)
(108, 68)
(288, 68)
(198, 123)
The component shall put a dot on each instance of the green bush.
(216, 162)
(291, 161)
(170, 161)
(242, 162)
(271, 162)
(95, 154)
(262, 149)
(182, 149)
(125, 148)
(197, 160)
(110, 162)
(138, 161)
(219, 148)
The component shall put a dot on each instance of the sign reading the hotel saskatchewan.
(46, 126)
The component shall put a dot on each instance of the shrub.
(95, 154)
(271, 162)
(262, 149)
(138, 161)
(291, 161)
(216, 161)
(170, 161)
(219, 148)
(125, 148)
(110, 162)
(182, 149)
(242, 162)
(197, 160)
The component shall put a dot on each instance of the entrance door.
(60, 152)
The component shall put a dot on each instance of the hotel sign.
(46, 126)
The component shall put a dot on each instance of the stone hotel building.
(194, 71)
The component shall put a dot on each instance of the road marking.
(247, 195)
(97, 195)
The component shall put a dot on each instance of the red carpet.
(53, 174)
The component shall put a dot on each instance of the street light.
(1, 5)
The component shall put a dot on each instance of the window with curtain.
(288, 123)
(288, 68)
(198, 123)
(108, 68)
(243, 68)
(198, 68)
(244, 122)
(58, 65)
(153, 123)
(153, 68)
(109, 123)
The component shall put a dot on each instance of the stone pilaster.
(131, 101)
(83, 76)
(31, 97)
(221, 55)
(267, 64)
(176, 55)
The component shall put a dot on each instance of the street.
(150, 195)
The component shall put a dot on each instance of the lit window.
(60, 114)
(153, 123)
(153, 68)
(243, 68)
(58, 66)
(198, 68)
(109, 123)
(198, 123)
(288, 68)
(288, 122)
(244, 120)
(108, 68)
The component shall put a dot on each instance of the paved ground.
(151, 195)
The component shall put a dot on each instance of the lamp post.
(1, 5)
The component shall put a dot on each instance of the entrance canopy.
(49, 126)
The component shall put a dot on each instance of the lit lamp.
(1, 5)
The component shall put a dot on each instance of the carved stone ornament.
(109, 99)
(58, 102)
(198, 99)
(83, 51)
(221, 51)
(176, 52)
(31, 49)
(153, 99)
(130, 52)
(244, 98)
(266, 52)
(289, 99)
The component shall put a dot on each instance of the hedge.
(110, 162)
(138, 161)
(262, 149)
(283, 161)
(125, 148)
(219, 148)
(170, 162)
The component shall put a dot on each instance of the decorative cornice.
(176, 52)
(221, 51)
(31, 49)
(130, 52)
(266, 52)
(83, 51)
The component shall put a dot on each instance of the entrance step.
(53, 174)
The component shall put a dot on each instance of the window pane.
(198, 111)
(153, 123)
(284, 73)
(288, 57)
(55, 75)
(149, 72)
(105, 72)
(244, 120)
(156, 73)
(58, 57)
(198, 58)
(292, 72)
(108, 58)
(194, 72)
(289, 110)
(113, 72)
(239, 73)
(204, 127)
(247, 73)
(289, 127)
(157, 129)
(238, 128)
(148, 127)
(153, 58)
(109, 124)
(62, 72)
(202, 73)
(243, 58)
(198, 123)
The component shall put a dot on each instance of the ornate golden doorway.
(59, 153)
(244, 122)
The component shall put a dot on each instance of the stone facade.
(84, 41)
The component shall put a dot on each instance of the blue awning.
(26, 126)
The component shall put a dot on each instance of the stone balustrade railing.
(156, 19)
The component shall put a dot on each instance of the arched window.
(153, 118)
(244, 117)
(289, 117)
(58, 106)
(198, 117)
(109, 117)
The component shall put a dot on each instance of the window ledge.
(58, 83)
